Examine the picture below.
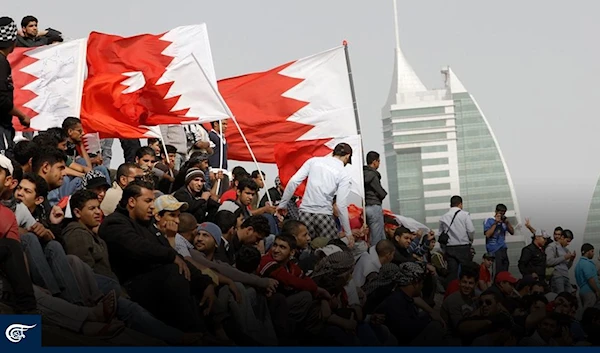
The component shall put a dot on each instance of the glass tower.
(592, 227)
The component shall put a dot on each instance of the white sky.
(533, 67)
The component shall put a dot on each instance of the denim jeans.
(376, 223)
(50, 268)
(559, 284)
(138, 318)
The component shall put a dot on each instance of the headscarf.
(385, 277)
(334, 265)
(409, 273)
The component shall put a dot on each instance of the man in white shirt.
(459, 227)
(368, 264)
(327, 178)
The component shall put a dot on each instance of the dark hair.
(255, 174)
(239, 173)
(80, 197)
(41, 186)
(372, 157)
(259, 223)
(17, 173)
(24, 151)
(50, 155)
(58, 134)
(153, 140)
(187, 222)
(70, 123)
(455, 201)
(25, 21)
(469, 270)
(567, 234)
(144, 151)
(532, 298)
(171, 149)
(384, 247)
(124, 169)
(134, 189)
(247, 183)
(401, 230)
(44, 140)
(490, 291)
(501, 207)
(291, 241)
(247, 259)
(558, 229)
(225, 220)
(291, 227)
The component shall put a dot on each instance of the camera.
(503, 218)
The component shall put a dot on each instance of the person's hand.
(25, 120)
(435, 316)
(282, 211)
(350, 325)
(351, 241)
(430, 235)
(56, 215)
(323, 293)
(498, 218)
(183, 267)
(206, 195)
(527, 222)
(419, 233)
(208, 299)
(37, 229)
(236, 292)
(270, 209)
(171, 229)
(377, 319)
(272, 285)
(219, 175)
(430, 268)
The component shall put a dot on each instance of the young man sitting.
(202, 204)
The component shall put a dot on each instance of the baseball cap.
(168, 203)
(342, 149)
(213, 230)
(541, 233)
(506, 276)
(94, 179)
(6, 164)
(586, 247)
(488, 256)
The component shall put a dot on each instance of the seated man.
(126, 173)
(460, 304)
(298, 288)
(369, 263)
(228, 222)
(150, 270)
(250, 232)
(12, 262)
(29, 35)
(203, 204)
(246, 190)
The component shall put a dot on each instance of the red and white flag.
(48, 82)
(291, 156)
(307, 99)
(148, 80)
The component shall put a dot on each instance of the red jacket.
(8, 224)
(290, 276)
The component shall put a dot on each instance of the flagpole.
(230, 113)
(356, 118)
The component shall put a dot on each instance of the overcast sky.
(532, 66)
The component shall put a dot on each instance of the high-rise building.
(438, 144)
(592, 227)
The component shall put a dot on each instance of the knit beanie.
(192, 174)
(213, 230)
(8, 32)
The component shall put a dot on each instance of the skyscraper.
(592, 227)
(437, 144)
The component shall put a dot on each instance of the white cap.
(541, 233)
(6, 164)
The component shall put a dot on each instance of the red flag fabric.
(307, 99)
(148, 80)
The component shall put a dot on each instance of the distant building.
(437, 144)
(592, 227)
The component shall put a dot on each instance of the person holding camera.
(495, 238)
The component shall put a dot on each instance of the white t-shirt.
(24, 217)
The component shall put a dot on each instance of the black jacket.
(533, 260)
(202, 209)
(133, 248)
(53, 36)
(6, 93)
(374, 192)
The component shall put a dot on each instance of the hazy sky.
(532, 66)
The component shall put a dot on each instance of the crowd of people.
(175, 247)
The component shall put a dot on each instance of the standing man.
(218, 143)
(328, 178)
(586, 276)
(459, 227)
(561, 260)
(8, 37)
(495, 237)
(374, 195)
